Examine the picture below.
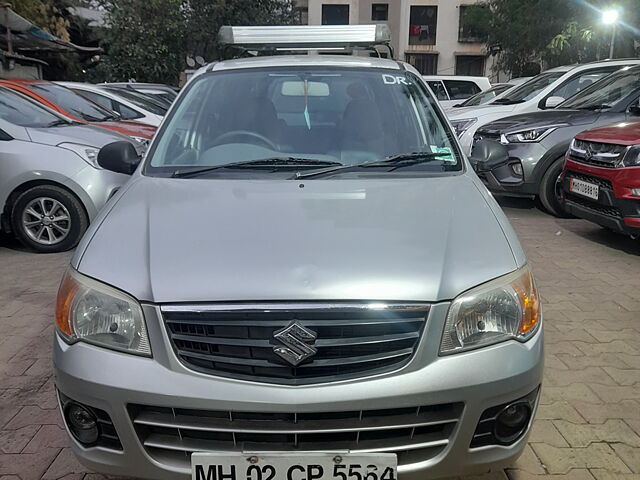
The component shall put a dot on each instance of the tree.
(144, 41)
(50, 15)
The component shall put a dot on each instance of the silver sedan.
(51, 186)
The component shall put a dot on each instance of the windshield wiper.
(263, 162)
(396, 161)
(57, 123)
(506, 101)
(595, 107)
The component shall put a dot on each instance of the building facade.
(433, 35)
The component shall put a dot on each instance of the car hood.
(620, 133)
(76, 133)
(540, 119)
(198, 240)
(480, 111)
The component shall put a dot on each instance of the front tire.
(550, 190)
(48, 219)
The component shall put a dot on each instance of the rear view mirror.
(119, 157)
(301, 89)
(488, 154)
(553, 102)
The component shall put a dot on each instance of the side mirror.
(488, 154)
(119, 157)
(553, 102)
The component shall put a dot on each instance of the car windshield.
(483, 97)
(530, 89)
(301, 118)
(607, 92)
(140, 100)
(74, 103)
(16, 109)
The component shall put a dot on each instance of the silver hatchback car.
(51, 186)
(315, 285)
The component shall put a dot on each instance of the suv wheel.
(550, 190)
(48, 219)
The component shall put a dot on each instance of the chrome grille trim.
(605, 155)
(172, 434)
(237, 340)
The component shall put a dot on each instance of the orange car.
(77, 107)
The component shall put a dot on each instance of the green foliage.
(557, 32)
(476, 22)
(149, 40)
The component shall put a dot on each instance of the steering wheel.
(244, 133)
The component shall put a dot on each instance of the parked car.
(298, 260)
(451, 89)
(51, 186)
(160, 91)
(78, 108)
(487, 95)
(537, 141)
(546, 91)
(601, 177)
(128, 105)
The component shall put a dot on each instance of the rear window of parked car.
(460, 89)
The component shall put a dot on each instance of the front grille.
(352, 340)
(601, 182)
(594, 207)
(173, 434)
(605, 155)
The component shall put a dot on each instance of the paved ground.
(588, 425)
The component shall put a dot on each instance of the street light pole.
(613, 40)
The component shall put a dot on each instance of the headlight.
(461, 126)
(92, 312)
(87, 153)
(632, 157)
(504, 309)
(528, 136)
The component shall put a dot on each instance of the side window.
(125, 112)
(581, 81)
(438, 89)
(634, 108)
(460, 89)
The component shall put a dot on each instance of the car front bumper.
(617, 208)
(479, 380)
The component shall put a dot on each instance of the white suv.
(547, 90)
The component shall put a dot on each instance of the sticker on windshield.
(395, 79)
(447, 154)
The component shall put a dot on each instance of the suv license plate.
(293, 466)
(586, 189)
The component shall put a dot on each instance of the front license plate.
(586, 189)
(293, 466)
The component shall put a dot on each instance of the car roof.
(454, 77)
(601, 63)
(347, 61)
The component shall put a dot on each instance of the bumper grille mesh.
(172, 434)
(352, 340)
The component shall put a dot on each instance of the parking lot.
(588, 423)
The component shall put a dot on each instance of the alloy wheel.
(46, 221)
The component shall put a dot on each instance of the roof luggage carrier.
(278, 40)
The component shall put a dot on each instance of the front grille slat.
(352, 341)
(167, 433)
(606, 155)
(153, 419)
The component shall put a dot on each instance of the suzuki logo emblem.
(296, 343)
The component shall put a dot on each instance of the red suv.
(601, 177)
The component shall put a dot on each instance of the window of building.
(423, 23)
(474, 23)
(425, 63)
(335, 14)
(470, 65)
(380, 12)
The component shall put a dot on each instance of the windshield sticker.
(447, 153)
(395, 80)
